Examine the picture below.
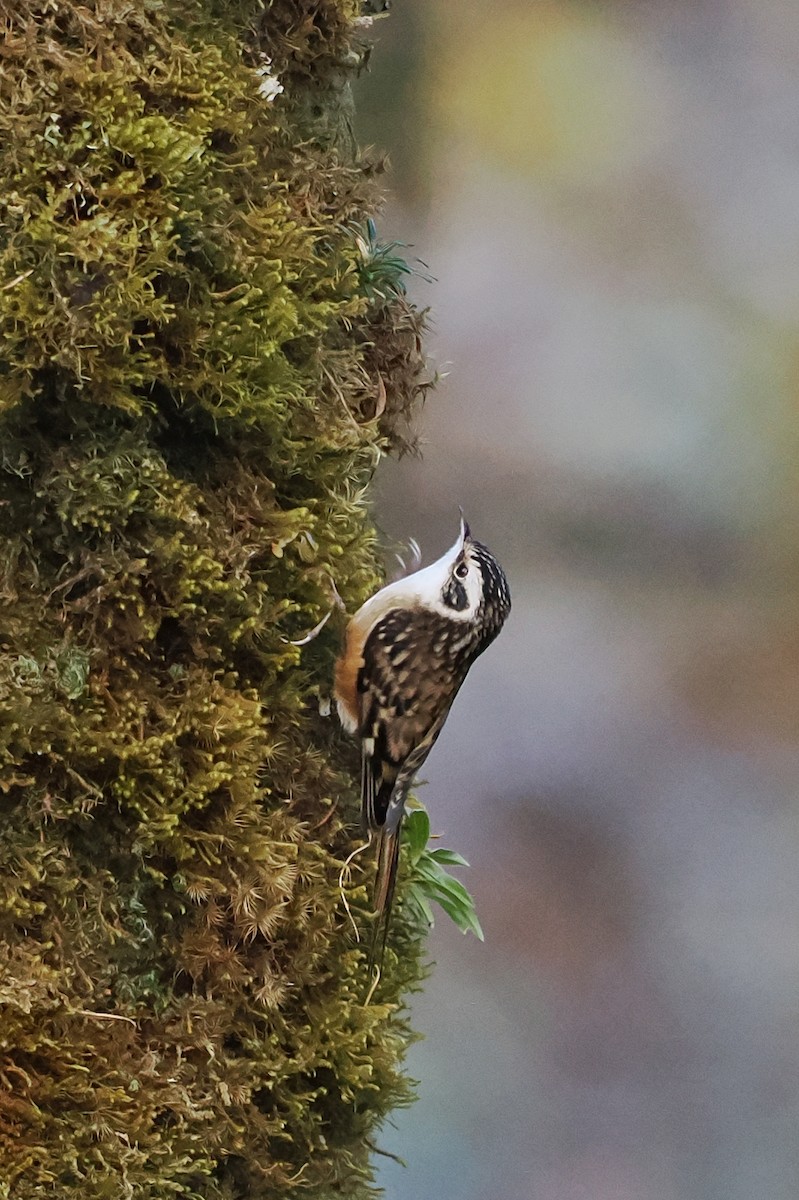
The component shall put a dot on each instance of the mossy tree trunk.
(199, 366)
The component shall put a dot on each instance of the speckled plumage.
(408, 649)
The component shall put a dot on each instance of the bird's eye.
(462, 570)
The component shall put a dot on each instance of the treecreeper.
(407, 651)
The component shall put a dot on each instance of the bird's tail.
(388, 844)
(388, 847)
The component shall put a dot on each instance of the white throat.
(425, 587)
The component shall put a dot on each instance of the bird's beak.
(465, 531)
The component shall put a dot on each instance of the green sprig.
(430, 882)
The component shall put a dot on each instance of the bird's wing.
(405, 688)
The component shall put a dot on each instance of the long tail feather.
(388, 847)
(387, 861)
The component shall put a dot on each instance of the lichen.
(195, 388)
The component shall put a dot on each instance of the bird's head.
(465, 584)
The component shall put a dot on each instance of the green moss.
(194, 390)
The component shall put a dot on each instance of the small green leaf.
(451, 888)
(417, 832)
(420, 906)
(464, 917)
(450, 857)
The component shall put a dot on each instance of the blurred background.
(607, 197)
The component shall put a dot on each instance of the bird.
(406, 652)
